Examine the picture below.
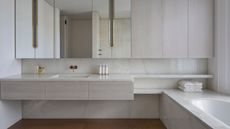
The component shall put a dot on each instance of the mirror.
(75, 28)
(113, 41)
(34, 28)
(85, 30)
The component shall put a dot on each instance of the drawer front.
(22, 91)
(67, 91)
(111, 91)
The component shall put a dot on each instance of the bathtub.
(215, 108)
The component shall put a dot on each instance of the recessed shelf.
(173, 76)
(147, 91)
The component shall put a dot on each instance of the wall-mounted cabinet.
(172, 28)
(175, 28)
(147, 29)
(35, 29)
(114, 28)
(201, 28)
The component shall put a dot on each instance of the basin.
(70, 76)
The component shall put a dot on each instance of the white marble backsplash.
(121, 66)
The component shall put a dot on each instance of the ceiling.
(78, 7)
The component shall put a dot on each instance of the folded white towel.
(190, 83)
(192, 86)
(190, 89)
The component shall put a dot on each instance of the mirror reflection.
(75, 28)
(85, 28)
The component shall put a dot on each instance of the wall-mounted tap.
(73, 67)
(40, 70)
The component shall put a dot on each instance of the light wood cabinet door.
(175, 28)
(22, 90)
(201, 28)
(147, 29)
(67, 91)
(111, 91)
(23, 29)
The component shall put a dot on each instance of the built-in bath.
(218, 109)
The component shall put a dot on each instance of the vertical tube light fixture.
(111, 18)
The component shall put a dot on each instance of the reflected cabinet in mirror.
(73, 29)
(86, 30)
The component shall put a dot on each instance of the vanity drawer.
(22, 90)
(111, 90)
(67, 91)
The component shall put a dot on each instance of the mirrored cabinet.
(73, 29)
(114, 29)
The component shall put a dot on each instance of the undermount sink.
(71, 76)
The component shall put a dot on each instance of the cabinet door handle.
(111, 23)
(34, 22)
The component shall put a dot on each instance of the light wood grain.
(147, 29)
(67, 91)
(201, 28)
(111, 91)
(22, 91)
(175, 30)
(24, 29)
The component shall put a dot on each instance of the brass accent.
(34, 22)
(111, 18)
(40, 70)
(73, 67)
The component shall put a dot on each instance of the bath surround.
(187, 112)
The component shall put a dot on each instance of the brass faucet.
(40, 70)
(73, 67)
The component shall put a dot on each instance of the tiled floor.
(89, 124)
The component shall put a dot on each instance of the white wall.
(10, 112)
(219, 66)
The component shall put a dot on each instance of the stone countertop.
(185, 100)
(68, 77)
(96, 77)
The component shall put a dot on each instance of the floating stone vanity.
(67, 87)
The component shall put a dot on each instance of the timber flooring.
(90, 124)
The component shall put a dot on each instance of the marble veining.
(120, 66)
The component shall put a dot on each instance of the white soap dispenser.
(103, 69)
(100, 70)
(107, 70)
